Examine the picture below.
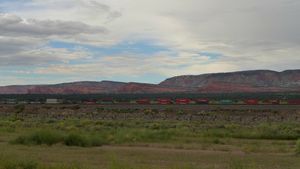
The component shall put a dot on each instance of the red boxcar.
(202, 101)
(294, 102)
(164, 101)
(143, 101)
(251, 101)
(183, 101)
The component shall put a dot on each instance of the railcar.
(90, 102)
(183, 101)
(143, 101)
(251, 102)
(226, 102)
(294, 102)
(163, 101)
(107, 101)
(202, 101)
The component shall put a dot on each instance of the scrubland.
(72, 142)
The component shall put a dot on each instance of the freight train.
(160, 101)
(200, 101)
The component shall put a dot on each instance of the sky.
(54, 41)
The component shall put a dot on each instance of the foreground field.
(165, 139)
(127, 157)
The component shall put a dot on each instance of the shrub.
(28, 164)
(298, 147)
(217, 141)
(47, 137)
(160, 135)
(19, 165)
(96, 141)
(75, 139)
(19, 108)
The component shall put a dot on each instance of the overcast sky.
(53, 41)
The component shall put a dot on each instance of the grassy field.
(40, 142)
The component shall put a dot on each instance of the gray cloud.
(99, 8)
(11, 25)
(24, 41)
(14, 45)
(236, 21)
(33, 52)
(40, 57)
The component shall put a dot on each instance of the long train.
(187, 101)
(162, 101)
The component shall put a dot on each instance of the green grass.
(240, 164)
(28, 163)
(87, 133)
(115, 163)
(14, 164)
(272, 131)
(152, 144)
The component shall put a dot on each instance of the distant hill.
(244, 81)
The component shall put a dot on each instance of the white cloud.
(132, 65)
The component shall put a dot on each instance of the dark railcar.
(90, 102)
(294, 102)
(202, 101)
(143, 101)
(270, 102)
(226, 102)
(107, 101)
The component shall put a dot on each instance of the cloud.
(11, 25)
(249, 34)
(24, 41)
(84, 10)
(32, 52)
(131, 65)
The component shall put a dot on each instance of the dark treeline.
(78, 97)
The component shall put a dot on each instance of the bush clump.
(49, 138)
(18, 165)
(8, 163)
(298, 147)
(75, 139)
